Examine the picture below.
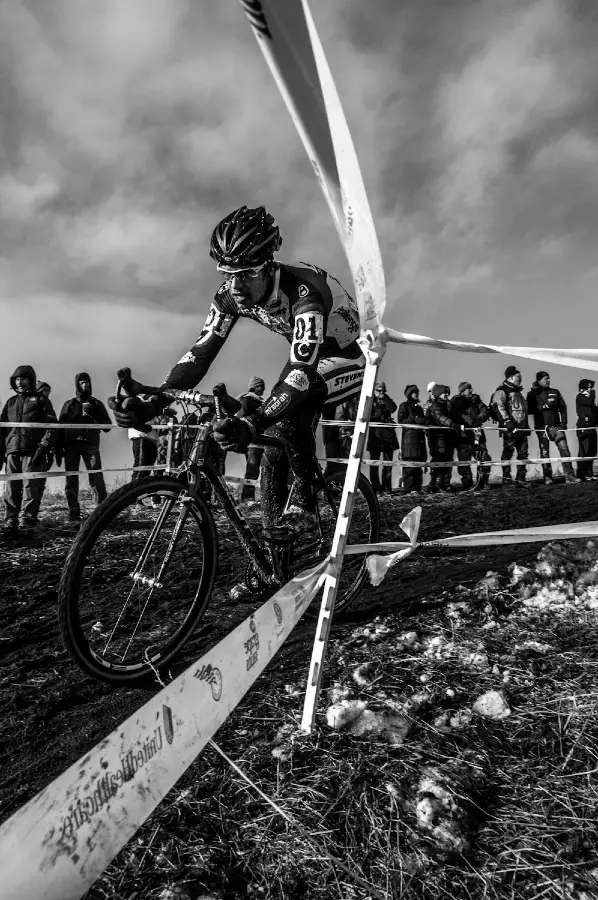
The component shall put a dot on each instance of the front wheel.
(137, 580)
(364, 529)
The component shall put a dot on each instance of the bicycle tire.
(354, 572)
(99, 537)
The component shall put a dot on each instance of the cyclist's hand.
(232, 434)
(131, 412)
(128, 386)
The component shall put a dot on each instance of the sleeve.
(50, 436)
(390, 404)
(403, 413)
(443, 420)
(101, 414)
(531, 403)
(67, 413)
(563, 410)
(3, 418)
(192, 367)
(483, 413)
(501, 405)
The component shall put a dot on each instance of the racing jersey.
(307, 306)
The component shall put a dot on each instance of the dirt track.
(52, 714)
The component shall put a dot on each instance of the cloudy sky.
(128, 128)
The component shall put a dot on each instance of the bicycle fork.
(176, 531)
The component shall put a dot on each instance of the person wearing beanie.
(251, 401)
(25, 450)
(469, 412)
(82, 444)
(441, 439)
(587, 422)
(508, 407)
(45, 390)
(382, 442)
(413, 440)
(549, 410)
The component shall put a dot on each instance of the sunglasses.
(241, 274)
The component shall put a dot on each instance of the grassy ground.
(420, 796)
(408, 782)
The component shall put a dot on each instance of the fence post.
(339, 543)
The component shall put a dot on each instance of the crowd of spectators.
(437, 435)
(445, 432)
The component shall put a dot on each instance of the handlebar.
(130, 388)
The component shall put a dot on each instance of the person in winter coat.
(509, 409)
(45, 390)
(168, 417)
(145, 451)
(441, 440)
(250, 402)
(347, 412)
(413, 440)
(382, 442)
(82, 444)
(469, 412)
(549, 410)
(25, 450)
(587, 422)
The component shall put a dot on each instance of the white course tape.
(379, 566)
(579, 359)
(287, 37)
(56, 846)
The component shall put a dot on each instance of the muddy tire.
(125, 621)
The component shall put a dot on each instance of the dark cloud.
(128, 129)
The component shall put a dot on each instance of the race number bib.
(307, 336)
(217, 324)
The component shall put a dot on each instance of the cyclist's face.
(248, 286)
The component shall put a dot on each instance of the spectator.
(251, 401)
(44, 389)
(168, 416)
(413, 440)
(441, 440)
(145, 451)
(509, 409)
(24, 450)
(347, 412)
(82, 444)
(382, 442)
(587, 421)
(430, 398)
(469, 412)
(549, 410)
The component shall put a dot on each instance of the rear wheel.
(137, 580)
(364, 529)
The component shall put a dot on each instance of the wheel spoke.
(137, 580)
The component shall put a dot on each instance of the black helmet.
(246, 238)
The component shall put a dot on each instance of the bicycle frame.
(267, 560)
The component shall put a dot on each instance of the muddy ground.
(52, 713)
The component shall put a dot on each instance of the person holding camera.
(78, 444)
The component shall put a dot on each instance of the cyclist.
(320, 321)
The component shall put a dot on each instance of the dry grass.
(520, 816)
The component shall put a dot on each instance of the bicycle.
(125, 626)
